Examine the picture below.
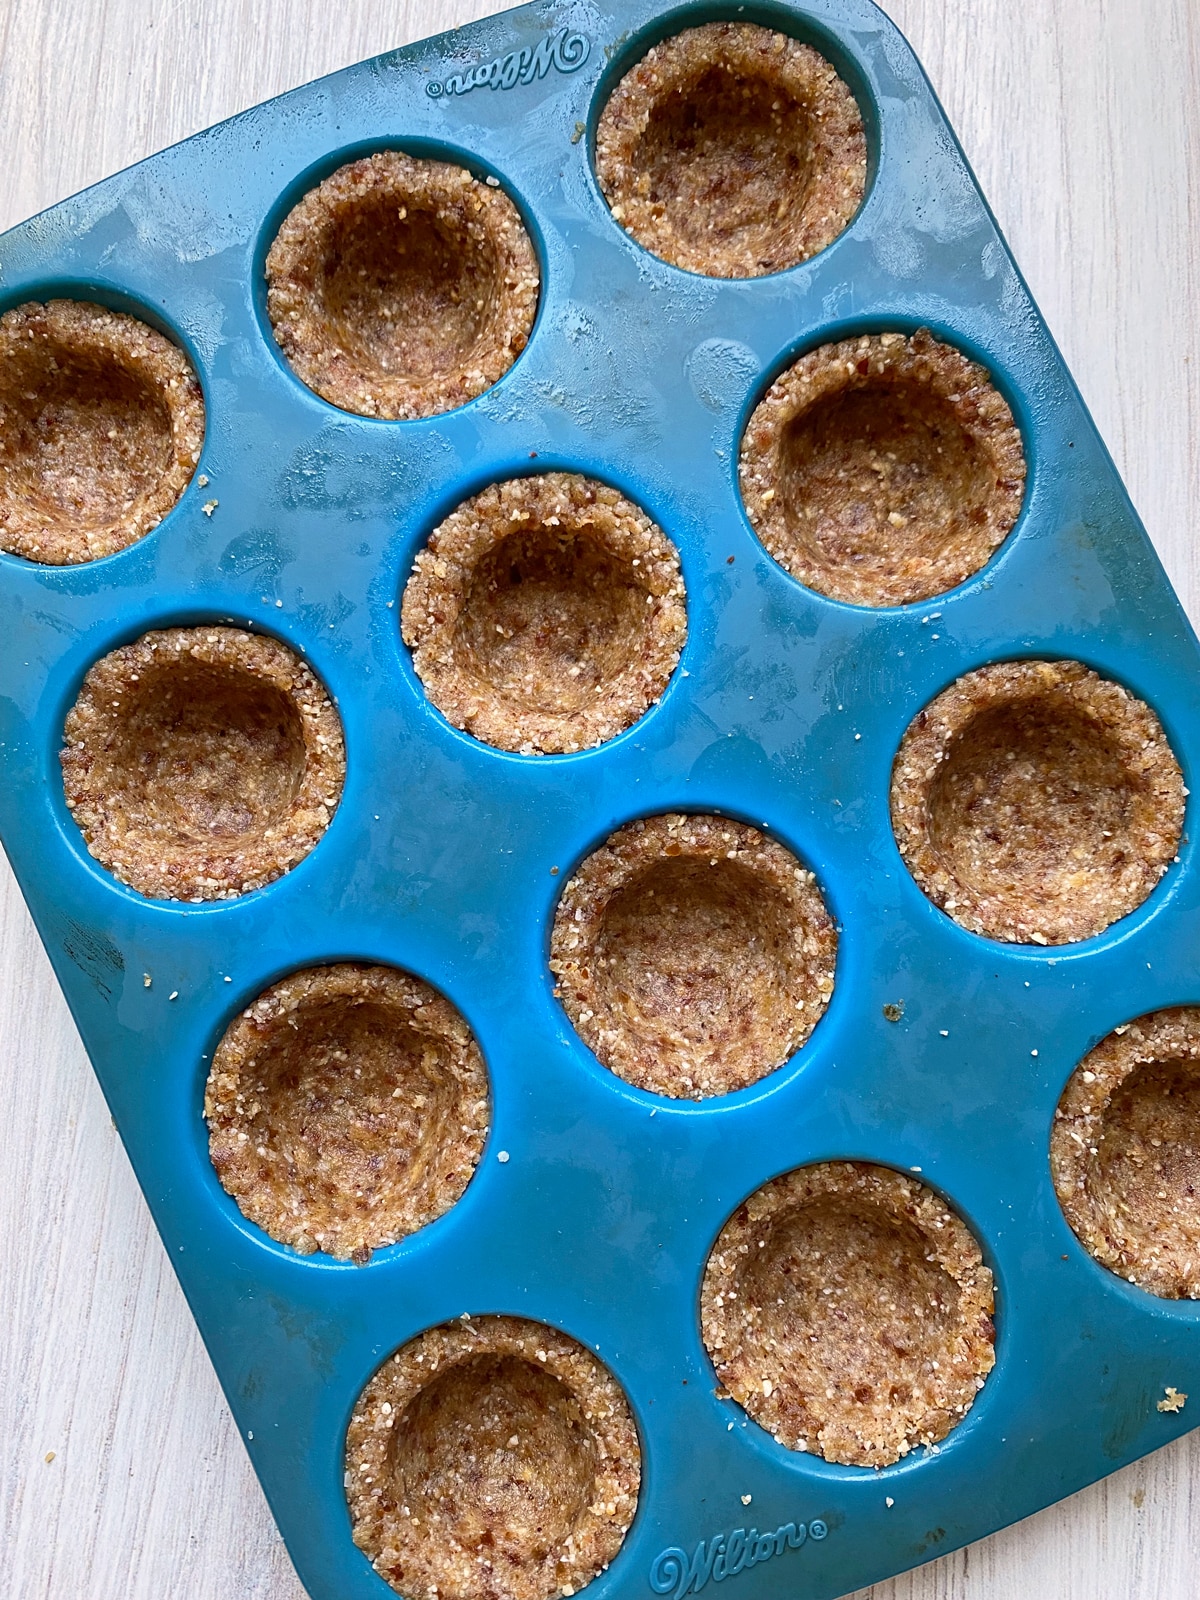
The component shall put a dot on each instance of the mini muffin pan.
(497, 911)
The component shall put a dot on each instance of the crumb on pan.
(883, 469)
(732, 150)
(101, 424)
(1125, 1152)
(491, 1459)
(693, 954)
(1036, 802)
(347, 1107)
(849, 1311)
(402, 287)
(546, 614)
(201, 763)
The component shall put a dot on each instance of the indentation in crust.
(848, 1309)
(491, 1459)
(402, 287)
(101, 423)
(1125, 1152)
(200, 763)
(347, 1107)
(693, 954)
(545, 614)
(732, 151)
(1036, 802)
(883, 469)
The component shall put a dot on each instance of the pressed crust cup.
(1036, 802)
(732, 150)
(882, 470)
(101, 424)
(546, 614)
(1125, 1152)
(201, 763)
(493, 1459)
(401, 287)
(849, 1311)
(693, 955)
(347, 1107)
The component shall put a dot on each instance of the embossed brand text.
(564, 51)
(723, 1556)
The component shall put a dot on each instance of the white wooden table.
(121, 1475)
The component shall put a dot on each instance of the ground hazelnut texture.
(491, 1459)
(883, 469)
(347, 1107)
(101, 423)
(693, 954)
(200, 763)
(849, 1311)
(545, 614)
(1036, 802)
(402, 287)
(732, 150)
(1125, 1152)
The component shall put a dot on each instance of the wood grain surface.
(121, 1475)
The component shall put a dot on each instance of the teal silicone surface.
(786, 712)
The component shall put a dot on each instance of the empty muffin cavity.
(491, 1459)
(402, 287)
(732, 150)
(200, 763)
(545, 614)
(101, 423)
(848, 1309)
(1125, 1152)
(1036, 802)
(883, 469)
(347, 1107)
(693, 954)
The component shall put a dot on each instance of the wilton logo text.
(564, 51)
(723, 1556)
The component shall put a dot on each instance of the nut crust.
(402, 287)
(101, 424)
(491, 1459)
(201, 763)
(848, 1309)
(347, 1107)
(1036, 802)
(732, 150)
(1125, 1152)
(883, 469)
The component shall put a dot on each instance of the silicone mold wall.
(786, 712)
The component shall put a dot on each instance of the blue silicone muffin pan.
(786, 711)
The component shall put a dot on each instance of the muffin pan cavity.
(1035, 801)
(347, 1107)
(692, 954)
(101, 423)
(848, 1309)
(402, 287)
(200, 763)
(882, 469)
(492, 1459)
(545, 614)
(732, 150)
(1125, 1152)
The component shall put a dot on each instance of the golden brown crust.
(882, 470)
(1036, 802)
(732, 150)
(401, 287)
(200, 763)
(848, 1309)
(693, 954)
(347, 1107)
(101, 424)
(1125, 1152)
(545, 614)
(493, 1459)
